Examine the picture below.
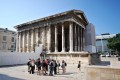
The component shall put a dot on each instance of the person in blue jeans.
(51, 67)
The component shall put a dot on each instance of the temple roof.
(80, 14)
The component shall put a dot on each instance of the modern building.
(7, 40)
(101, 42)
(69, 31)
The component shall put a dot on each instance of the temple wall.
(70, 58)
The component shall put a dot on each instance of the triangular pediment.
(79, 16)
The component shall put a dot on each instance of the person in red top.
(44, 65)
(47, 62)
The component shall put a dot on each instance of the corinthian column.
(71, 36)
(48, 38)
(23, 42)
(27, 44)
(75, 37)
(19, 41)
(56, 49)
(32, 41)
(78, 38)
(81, 40)
(63, 40)
(36, 32)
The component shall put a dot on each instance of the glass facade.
(101, 43)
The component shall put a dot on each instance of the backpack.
(51, 64)
(65, 64)
(55, 64)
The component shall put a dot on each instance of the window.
(12, 39)
(4, 38)
(4, 46)
(12, 46)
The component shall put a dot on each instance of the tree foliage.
(114, 43)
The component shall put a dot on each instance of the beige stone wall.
(8, 41)
(69, 58)
(0, 40)
(14, 58)
(102, 73)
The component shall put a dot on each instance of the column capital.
(70, 21)
(55, 24)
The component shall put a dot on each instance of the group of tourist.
(47, 66)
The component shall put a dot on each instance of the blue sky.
(104, 14)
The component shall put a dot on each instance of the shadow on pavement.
(67, 73)
(105, 63)
(6, 77)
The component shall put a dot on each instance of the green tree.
(114, 43)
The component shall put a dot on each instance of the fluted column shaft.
(75, 37)
(36, 37)
(23, 42)
(19, 41)
(81, 41)
(71, 36)
(63, 39)
(56, 49)
(48, 38)
(32, 40)
(27, 44)
(78, 38)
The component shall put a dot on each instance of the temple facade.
(69, 31)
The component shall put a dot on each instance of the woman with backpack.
(64, 64)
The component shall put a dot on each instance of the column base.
(70, 51)
(32, 51)
(48, 51)
(56, 51)
(63, 51)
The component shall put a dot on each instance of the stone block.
(117, 77)
(94, 59)
(107, 76)
(102, 73)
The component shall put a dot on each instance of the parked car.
(108, 55)
(117, 56)
(103, 55)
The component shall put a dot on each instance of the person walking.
(38, 65)
(64, 64)
(51, 67)
(55, 67)
(44, 65)
(28, 63)
(58, 66)
(32, 66)
(79, 65)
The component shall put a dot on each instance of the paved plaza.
(72, 73)
(20, 73)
